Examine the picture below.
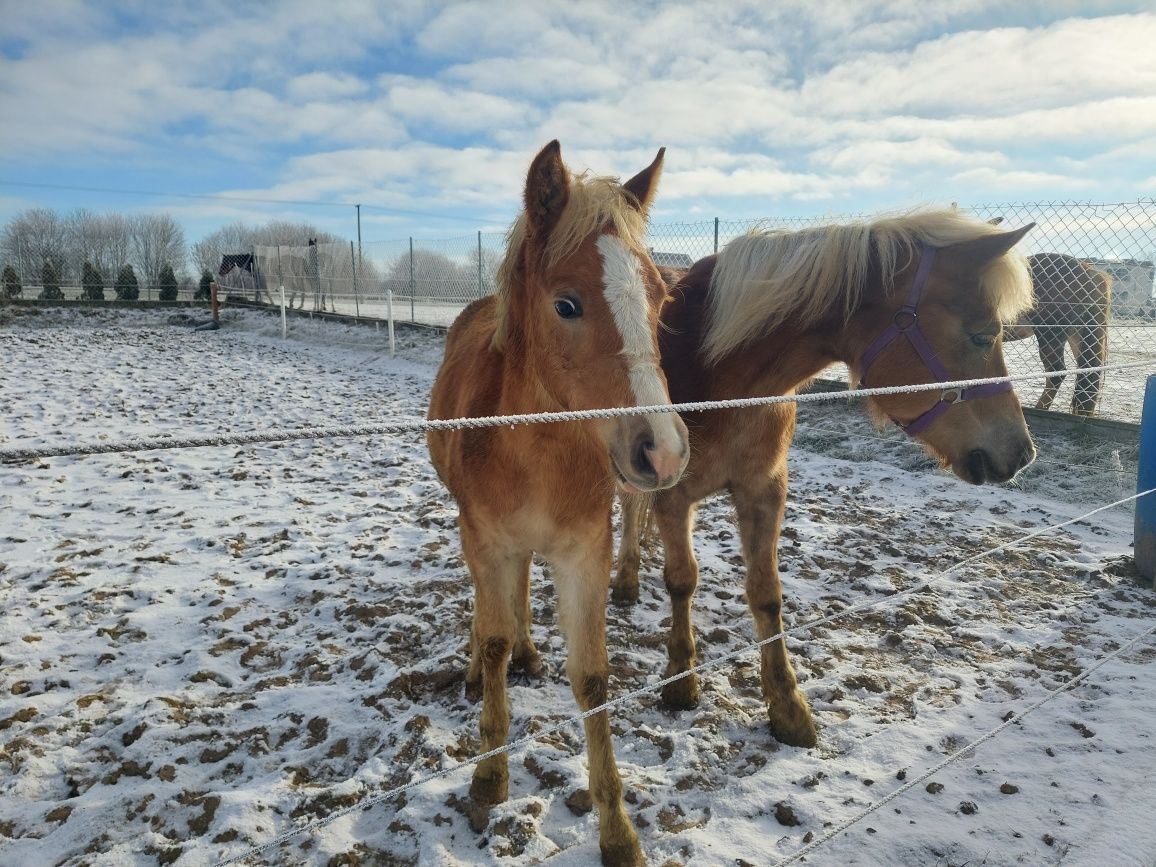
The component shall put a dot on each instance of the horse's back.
(1068, 291)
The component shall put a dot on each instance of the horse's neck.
(775, 363)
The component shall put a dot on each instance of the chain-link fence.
(1092, 266)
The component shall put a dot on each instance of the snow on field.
(201, 649)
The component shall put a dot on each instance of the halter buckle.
(905, 318)
(956, 395)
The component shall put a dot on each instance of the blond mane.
(594, 204)
(764, 278)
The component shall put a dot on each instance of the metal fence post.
(353, 265)
(412, 315)
(281, 283)
(1145, 533)
(389, 315)
(480, 292)
(716, 234)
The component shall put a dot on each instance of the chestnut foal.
(573, 326)
(903, 300)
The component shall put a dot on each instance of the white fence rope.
(10, 453)
(374, 800)
(963, 751)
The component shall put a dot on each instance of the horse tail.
(1090, 344)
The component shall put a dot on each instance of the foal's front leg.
(582, 581)
(760, 514)
(525, 657)
(496, 582)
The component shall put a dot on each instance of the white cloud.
(442, 106)
(314, 86)
(995, 72)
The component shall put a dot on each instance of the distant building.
(671, 260)
(1133, 284)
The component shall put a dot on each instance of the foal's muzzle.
(650, 452)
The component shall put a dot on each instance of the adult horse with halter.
(573, 326)
(900, 301)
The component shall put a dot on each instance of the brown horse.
(1072, 306)
(900, 301)
(573, 326)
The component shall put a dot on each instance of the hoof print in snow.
(968, 808)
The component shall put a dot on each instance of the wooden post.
(214, 303)
(716, 234)
(1145, 535)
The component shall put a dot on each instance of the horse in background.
(901, 301)
(1073, 305)
(573, 326)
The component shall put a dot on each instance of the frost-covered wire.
(374, 800)
(14, 453)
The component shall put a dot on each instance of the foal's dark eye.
(984, 340)
(568, 308)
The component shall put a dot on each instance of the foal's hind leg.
(625, 588)
(675, 516)
(760, 514)
(1051, 343)
(525, 659)
(582, 582)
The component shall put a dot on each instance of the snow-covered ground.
(201, 649)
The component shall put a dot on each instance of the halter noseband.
(906, 323)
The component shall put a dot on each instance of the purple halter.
(906, 323)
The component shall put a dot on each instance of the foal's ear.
(644, 184)
(547, 189)
(984, 249)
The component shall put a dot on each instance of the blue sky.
(428, 113)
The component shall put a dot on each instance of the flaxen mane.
(764, 278)
(592, 204)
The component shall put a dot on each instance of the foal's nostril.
(642, 463)
(979, 466)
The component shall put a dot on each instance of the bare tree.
(32, 238)
(101, 239)
(155, 239)
(227, 240)
(435, 275)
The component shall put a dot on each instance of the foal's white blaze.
(625, 293)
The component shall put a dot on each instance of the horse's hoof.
(791, 721)
(473, 690)
(489, 788)
(624, 593)
(528, 664)
(681, 694)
